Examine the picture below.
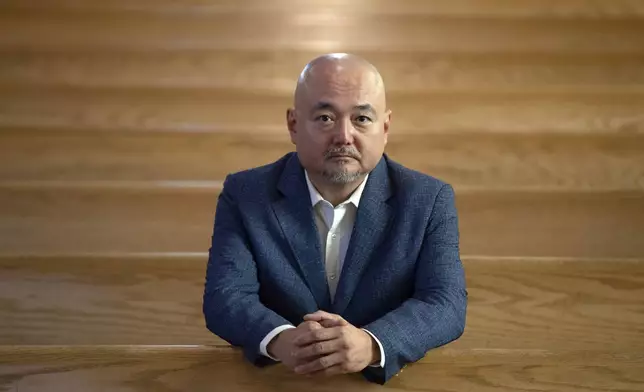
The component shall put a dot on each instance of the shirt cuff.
(264, 343)
(382, 350)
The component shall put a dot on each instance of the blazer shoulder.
(411, 183)
(257, 182)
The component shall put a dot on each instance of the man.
(335, 259)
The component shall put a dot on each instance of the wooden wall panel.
(167, 217)
(514, 303)
(277, 71)
(145, 109)
(469, 161)
(571, 9)
(87, 218)
(60, 30)
(207, 368)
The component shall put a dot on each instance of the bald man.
(336, 259)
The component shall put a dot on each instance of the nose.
(344, 133)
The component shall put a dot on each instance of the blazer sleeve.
(435, 314)
(231, 303)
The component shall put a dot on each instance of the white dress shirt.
(335, 225)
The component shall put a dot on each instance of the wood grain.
(117, 217)
(103, 299)
(552, 224)
(169, 217)
(235, 110)
(455, 8)
(553, 303)
(266, 70)
(469, 161)
(137, 368)
(56, 29)
(514, 303)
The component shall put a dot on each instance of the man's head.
(340, 121)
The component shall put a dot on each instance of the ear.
(291, 123)
(386, 125)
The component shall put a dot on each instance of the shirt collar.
(316, 197)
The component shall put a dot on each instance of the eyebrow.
(322, 105)
(366, 108)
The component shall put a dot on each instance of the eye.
(324, 118)
(363, 119)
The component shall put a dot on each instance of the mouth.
(341, 159)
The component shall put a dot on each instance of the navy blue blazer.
(402, 277)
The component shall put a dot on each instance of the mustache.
(342, 151)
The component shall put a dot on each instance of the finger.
(310, 325)
(320, 364)
(334, 323)
(321, 315)
(318, 335)
(317, 349)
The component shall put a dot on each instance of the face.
(340, 125)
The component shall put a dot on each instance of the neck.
(334, 193)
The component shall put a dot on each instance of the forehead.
(344, 90)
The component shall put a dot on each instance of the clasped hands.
(325, 344)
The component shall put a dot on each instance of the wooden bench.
(515, 303)
(210, 368)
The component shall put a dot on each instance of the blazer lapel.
(295, 215)
(372, 222)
